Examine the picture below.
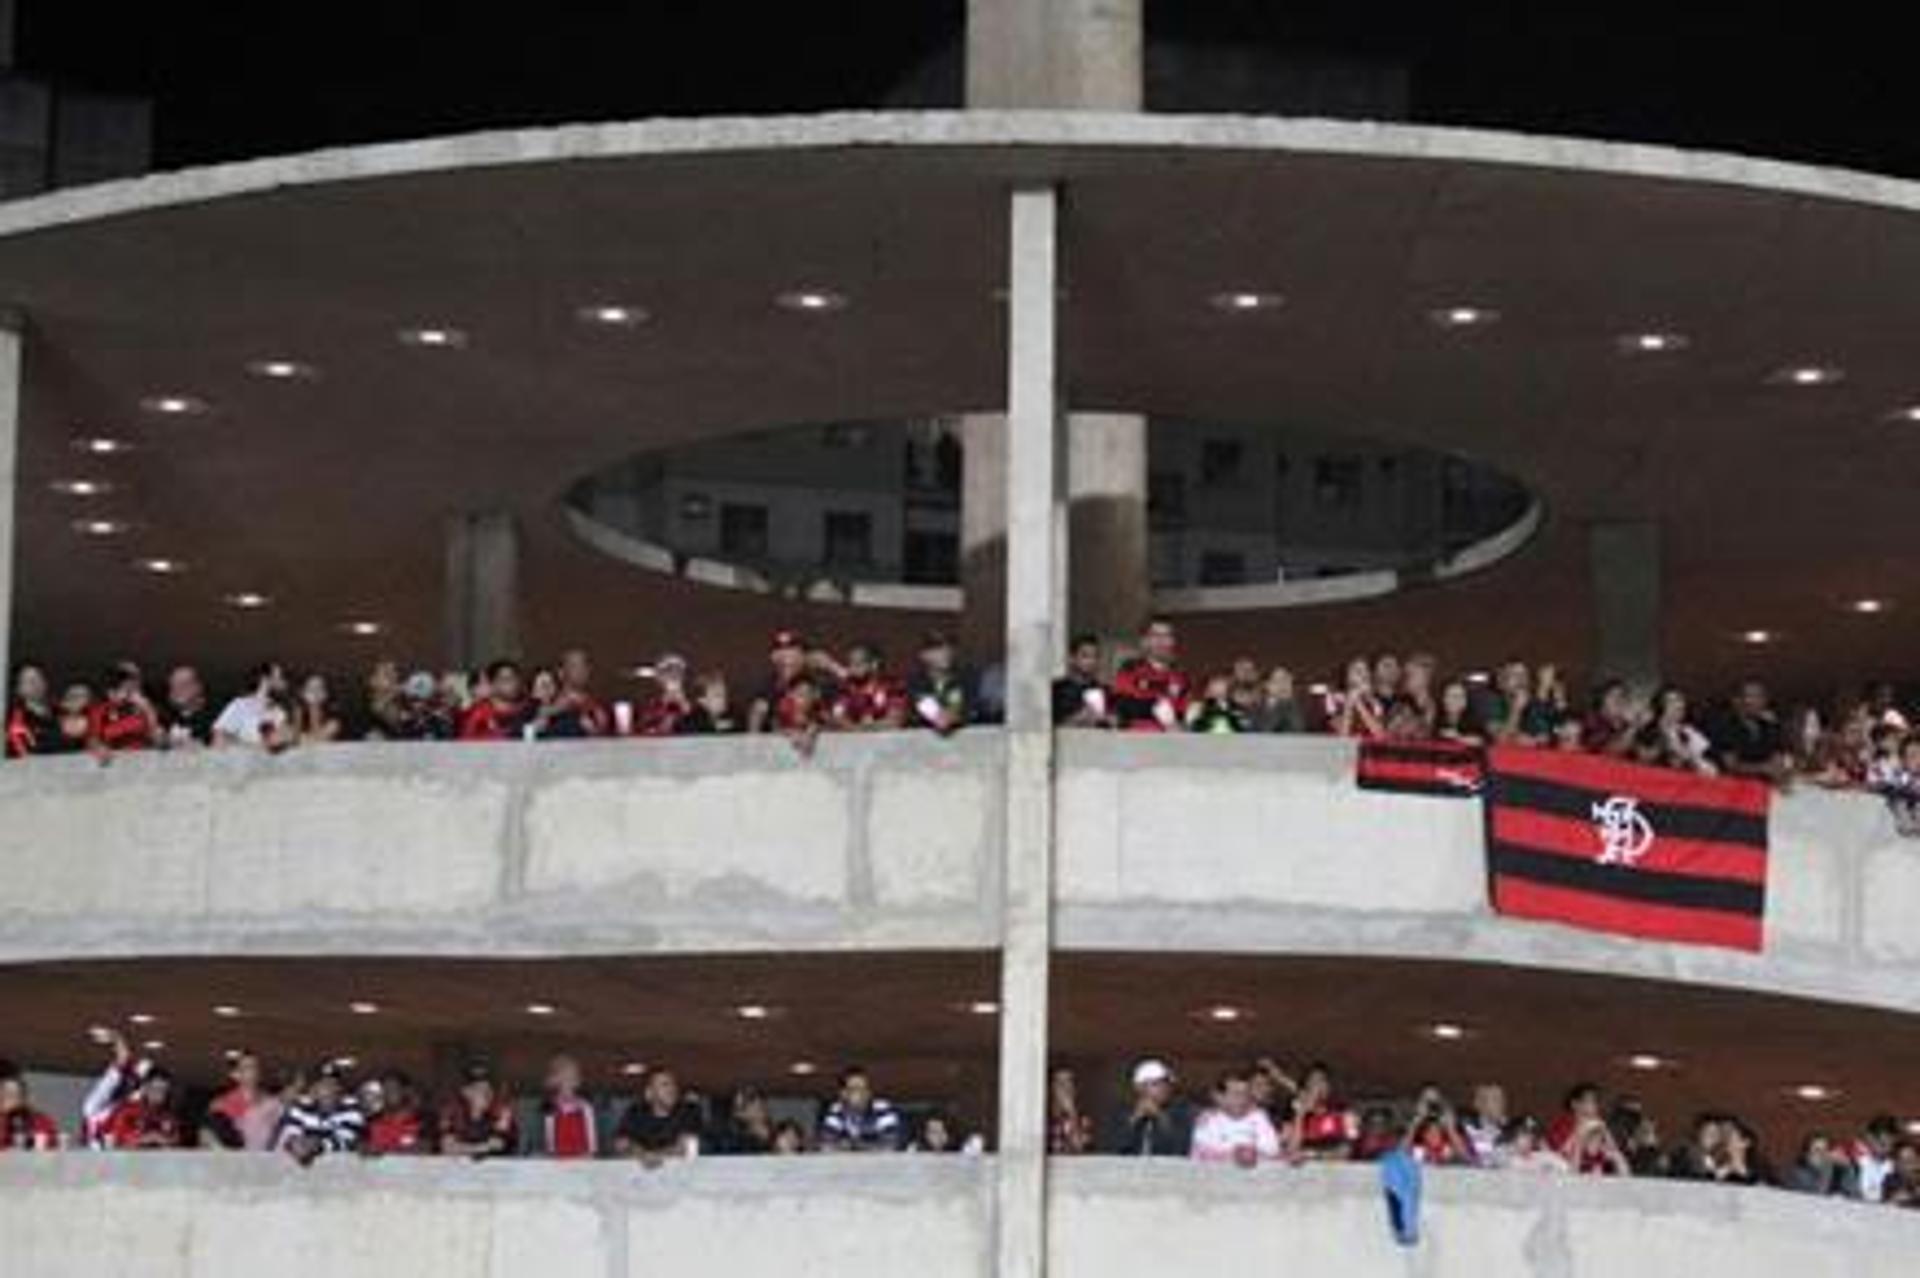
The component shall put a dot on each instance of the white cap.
(1151, 1071)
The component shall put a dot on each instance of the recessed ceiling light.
(1318, 689)
(346, 1062)
(984, 1007)
(803, 1069)
(1911, 413)
(633, 1069)
(226, 1011)
(99, 527)
(1758, 638)
(81, 487)
(1447, 1031)
(161, 567)
(1652, 343)
(1815, 1092)
(541, 1009)
(1478, 676)
(362, 629)
(1808, 375)
(433, 338)
(753, 1011)
(174, 405)
(1241, 302)
(142, 1018)
(249, 599)
(1913, 1126)
(101, 445)
(811, 301)
(363, 1008)
(1222, 1013)
(232, 1053)
(1463, 316)
(282, 370)
(1646, 1061)
(613, 315)
(154, 1045)
(1868, 607)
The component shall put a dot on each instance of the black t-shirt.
(1070, 696)
(699, 722)
(196, 723)
(657, 1133)
(1751, 741)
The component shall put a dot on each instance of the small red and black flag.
(1617, 847)
(1446, 768)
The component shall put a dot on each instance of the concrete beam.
(1037, 54)
(12, 368)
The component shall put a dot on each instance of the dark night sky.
(1805, 83)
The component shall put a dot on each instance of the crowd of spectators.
(808, 689)
(1258, 1115)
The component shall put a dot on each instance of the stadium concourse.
(1596, 865)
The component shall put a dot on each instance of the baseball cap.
(1150, 1071)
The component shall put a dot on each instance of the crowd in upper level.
(1258, 1115)
(809, 689)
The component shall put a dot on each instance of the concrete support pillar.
(1623, 563)
(1111, 591)
(482, 588)
(983, 536)
(1062, 55)
(1033, 558)
(10, 373)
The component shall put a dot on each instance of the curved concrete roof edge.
(719, 135)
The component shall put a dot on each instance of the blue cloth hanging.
(1400, 1179)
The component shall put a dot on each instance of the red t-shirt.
(396, 1131)
(1141, 686)
(790, 714)
(661, 716)
(875, 699)
(569, 1128)
(488, 720)
(121, 725)
(28, 1130)
(134, 1124)
(1329, 1125)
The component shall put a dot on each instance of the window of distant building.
(743, 530)
(1337, 482)
(1223, 568)
(1220, 461)
(848, 538)
(1167, 499)
(930, 558)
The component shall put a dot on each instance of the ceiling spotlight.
(154, 1045)
(363, 1008)
(1242, 302)
(433, 338)
(634, 1069)
(753, 1011)
(1223, 1014)
(1911, 413)
(1757, 638)
(100, 445)
(984, 1007)
(142, 1018)
(1646, 1062)
(282, 370)
(248, 599)
(803, 1069)
(1807, 375)
(99, 527)
(612, 316)
(1868, 607)
(811, 301)
(541, 1009)
(1652, 343)
(1815, 1092)
(81, 487)
(174, 405)
(1463, 316)
(346, 1062)
(1478, 676)
(161, 567)
(362, 629)
(225, 1011)
(1447, 1031)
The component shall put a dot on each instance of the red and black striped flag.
(1617, 847)
(1445, 768)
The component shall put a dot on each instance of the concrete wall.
(1263, 844)
(223, 1216)
(1247, 845)
(506, 848)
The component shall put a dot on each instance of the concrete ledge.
(215, 1216)
(551, 849)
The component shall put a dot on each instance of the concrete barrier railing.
(1236, 844)
(1264, 844)
(553, 848)
(210, 1216)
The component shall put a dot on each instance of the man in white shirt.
(259, 718)
(1235, 1130)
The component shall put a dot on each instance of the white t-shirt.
(247, 718)
(1218, 1134)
